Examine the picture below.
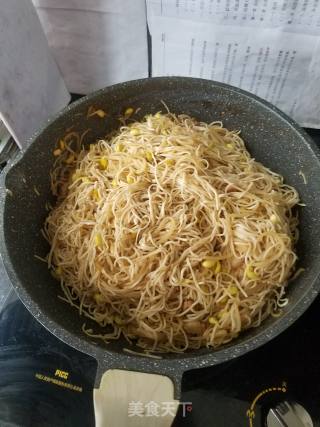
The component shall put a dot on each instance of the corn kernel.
(98, 239)
(221, 314)
(149, 156)
(209, 263)
(250, 273)
(212, 321)
(170, 162)
(119, 147)
(57, 152)
(217, 268)
(274, 219)
(85, 180)
(100, 113)
(95, 194)
(233, 290)
(114, 183)
(103, 163)
(130, 179)
(129, 111)
(230, 146)
(134, 132)
(117, 319)
(58, 271)
(99, 298)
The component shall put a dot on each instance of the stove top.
(46, 383)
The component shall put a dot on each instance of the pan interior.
(269, 137)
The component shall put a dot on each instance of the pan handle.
(132, 399)
(167, 367)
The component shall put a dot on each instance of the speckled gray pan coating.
(271, 137)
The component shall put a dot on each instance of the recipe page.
(269, 48)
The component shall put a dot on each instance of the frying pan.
(271, 137)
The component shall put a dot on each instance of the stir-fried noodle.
(171, 234)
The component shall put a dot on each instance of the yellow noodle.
(170, 234)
